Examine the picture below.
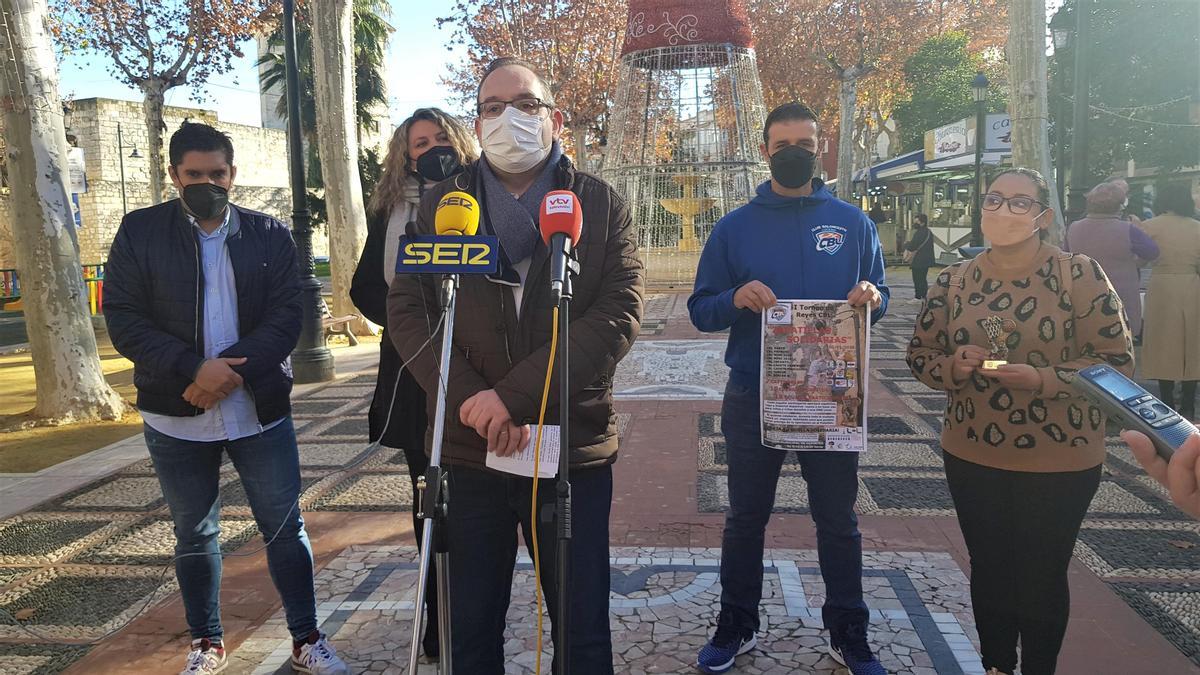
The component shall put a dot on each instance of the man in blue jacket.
(794, 240)
(204, 298)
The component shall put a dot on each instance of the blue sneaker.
(727, 643)
(848, 647)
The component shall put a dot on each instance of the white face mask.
(513, 141)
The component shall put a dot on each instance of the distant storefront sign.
(948, 140)
(76, 171)
(958, 138)
(999, 134)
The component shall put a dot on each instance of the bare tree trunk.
(66, 362)
(337, 145)
(847, 98)
(579, 135)
(154, 92)
(1028, 104)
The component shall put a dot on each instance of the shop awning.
(907, 163)
(990, 158)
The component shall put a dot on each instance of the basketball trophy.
(997, 330)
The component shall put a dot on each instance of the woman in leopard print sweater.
(1022, 450)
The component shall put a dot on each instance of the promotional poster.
(814, 376)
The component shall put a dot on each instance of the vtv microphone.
(561, 222)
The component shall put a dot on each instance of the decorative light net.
(683, 148)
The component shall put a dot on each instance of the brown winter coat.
(495, 350)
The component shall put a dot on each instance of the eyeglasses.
(1018, 206)
(530, 106)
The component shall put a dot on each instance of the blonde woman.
(427, 148)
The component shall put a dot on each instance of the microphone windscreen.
(561, 212)
(457, 213)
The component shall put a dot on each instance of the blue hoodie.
(803, 248)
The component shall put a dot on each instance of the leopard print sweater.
(1055, 327)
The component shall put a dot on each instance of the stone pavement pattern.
(82, 563)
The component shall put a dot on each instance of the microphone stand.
(562, 507)
(435, 495)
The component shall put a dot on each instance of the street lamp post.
(311, 360)
(979, 89)
(121, 161)
(1076, 204)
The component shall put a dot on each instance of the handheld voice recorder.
(1132, 407)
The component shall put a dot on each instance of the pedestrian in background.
(1171, 350)
(1120, 246)
(427, 148)
(919, 254)
(1022, 450)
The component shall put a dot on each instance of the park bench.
(337, 325)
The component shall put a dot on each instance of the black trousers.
(1020, 530)
(486, 510)
(920, 274)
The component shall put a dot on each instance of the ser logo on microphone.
(446, 253)
(455, 249)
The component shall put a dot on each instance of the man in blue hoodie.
(794, 240)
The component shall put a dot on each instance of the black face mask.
(793, 166)
(205, 201)
(438, 163)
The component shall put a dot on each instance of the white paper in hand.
(521, 463)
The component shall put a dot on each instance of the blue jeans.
(269, 466)
(832, 479)
(485, 510)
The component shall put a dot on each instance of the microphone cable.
(537, 460)
(372, 447)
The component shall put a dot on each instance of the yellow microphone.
(457, 213)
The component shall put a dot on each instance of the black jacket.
(153, 303)
(396, 394)
(493, 349)
(921, 245)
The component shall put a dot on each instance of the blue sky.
(417, 57)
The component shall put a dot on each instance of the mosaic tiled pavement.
(107, 541)
(662, 602)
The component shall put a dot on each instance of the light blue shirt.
(234, 416)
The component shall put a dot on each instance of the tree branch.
(188, 49)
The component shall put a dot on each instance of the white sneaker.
(205, 658)
(319, 658)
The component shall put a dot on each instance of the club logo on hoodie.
(829, 238)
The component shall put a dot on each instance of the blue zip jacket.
(803, 248)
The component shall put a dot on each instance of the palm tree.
(371, 31)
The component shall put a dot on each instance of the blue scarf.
(514, 220)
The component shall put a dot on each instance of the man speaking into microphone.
(497, 371)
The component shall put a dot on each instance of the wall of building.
(259, 154)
